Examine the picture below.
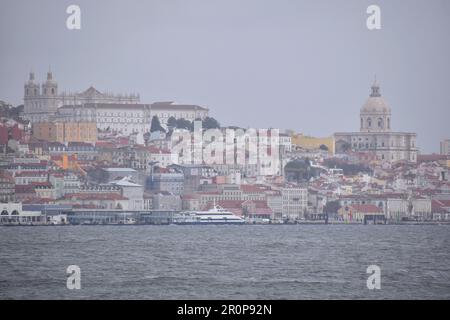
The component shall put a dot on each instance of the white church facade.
(375, 133)
(41, 101)
(120, 113)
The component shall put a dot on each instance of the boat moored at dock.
(215, 215)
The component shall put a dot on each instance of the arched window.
(369, 122)
(380, 123)
(53, 90)
(4, 213)
(362, 123)
(15, 213)
(388, 123)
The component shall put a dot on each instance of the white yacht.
(216, 215)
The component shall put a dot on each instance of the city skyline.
(224, 150)
(291, 59)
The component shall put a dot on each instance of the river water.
(225, 262)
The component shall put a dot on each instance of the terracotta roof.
(25, 188)
(105, 144)
(31, 173)
(94, 196)
(189, 197)
(7, 176)
(252, 188)
(431, 157)
(439, 206)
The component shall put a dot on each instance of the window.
(380, 123)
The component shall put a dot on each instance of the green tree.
(332, 207)
(156, 125)
(210, 123)
(172, 123)
(184, 124)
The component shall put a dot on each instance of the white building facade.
(375, 133)
(120, 113)
(41, 101)
(445, 147)
(294, 202)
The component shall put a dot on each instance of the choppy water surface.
(225, 262)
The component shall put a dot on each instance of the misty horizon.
(309, 66)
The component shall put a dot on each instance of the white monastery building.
(121, 113)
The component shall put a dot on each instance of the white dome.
(376, 103)
(375, 114)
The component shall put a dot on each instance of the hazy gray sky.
(291, 64)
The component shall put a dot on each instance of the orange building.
(64, 132)
(66, 162)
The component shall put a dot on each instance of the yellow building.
(312, 143)
(66, 131)
(445, 163)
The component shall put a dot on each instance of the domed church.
(375, 133)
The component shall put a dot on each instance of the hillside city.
(92, 157)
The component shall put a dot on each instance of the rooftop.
(119, 169)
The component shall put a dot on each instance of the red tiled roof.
(42, 184)
(26, 188)
(431, 157)
(439, 206)
(252, 188)
(94, 196)
(105, 144)
(189, 197)
(7, 176)
(31, 173)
